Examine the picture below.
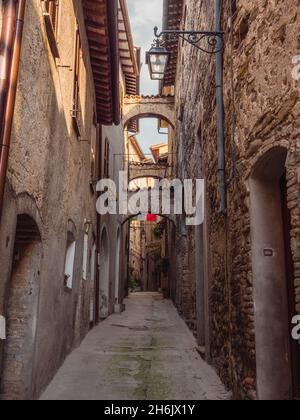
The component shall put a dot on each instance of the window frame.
(76, 104)
(106, 159)
(51, 9)
(69, 262)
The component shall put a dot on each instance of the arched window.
(69, 261)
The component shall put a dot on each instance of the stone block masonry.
(261, 113)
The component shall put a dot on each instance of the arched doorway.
(277, 355)
(117, 274)
(21, 312)
(93, 267)
(104, 275)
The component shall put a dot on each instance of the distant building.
(160, 151)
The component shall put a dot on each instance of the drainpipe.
(6, 46)
(112, 11)
(220, 110)
(11, 97)
(99, 174)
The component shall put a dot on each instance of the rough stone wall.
(187, 145)
(185, 280)
(49, 177)
(262, 111)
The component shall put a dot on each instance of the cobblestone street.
(147, 353)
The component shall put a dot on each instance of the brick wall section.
(22, 312)
(262, 111)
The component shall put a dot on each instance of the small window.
(244, 28)
(52, 7)
(106, 160)
(241, 30)
(69, 262)
(76, 112)
(51, 13)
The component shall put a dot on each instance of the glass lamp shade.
(157, 59)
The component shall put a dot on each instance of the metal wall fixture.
(209, 42)
(157, 57)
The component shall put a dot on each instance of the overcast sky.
(144, 16)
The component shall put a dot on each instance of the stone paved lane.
(147, 353)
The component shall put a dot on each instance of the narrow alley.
(147, 353)
(149, 200)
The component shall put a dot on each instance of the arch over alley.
(139, 170)
(161, 107)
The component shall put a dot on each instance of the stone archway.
(146, 170)
(161, 107)
(104, 275)
(21, 312)
(272, 277)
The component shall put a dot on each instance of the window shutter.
(76, 113)
(52, 7)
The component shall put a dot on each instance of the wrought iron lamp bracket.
(208, 42)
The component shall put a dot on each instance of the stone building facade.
(241, 300)
(114, 228)
(68, 101)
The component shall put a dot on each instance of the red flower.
(151, 217)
